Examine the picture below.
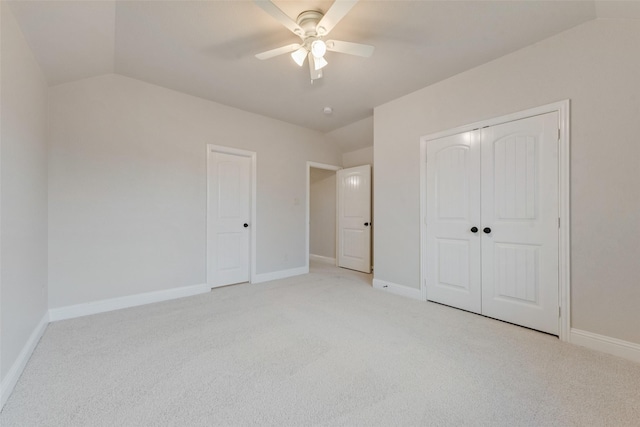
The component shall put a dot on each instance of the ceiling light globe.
(319, 63)
(299, 56)
(318, 48)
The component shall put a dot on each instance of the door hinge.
(559, 311)
(558, 135)
(558, 222)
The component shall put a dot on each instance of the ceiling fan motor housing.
(308, 21)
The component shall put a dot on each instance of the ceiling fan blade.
(358, 49)
(278, 51)
(336, 12)
(315, 74)
(273, 10)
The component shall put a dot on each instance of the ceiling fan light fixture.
(312, 26)
(319, 63)
(299, 56)
(318, 48)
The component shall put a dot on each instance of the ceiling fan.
(312, 27)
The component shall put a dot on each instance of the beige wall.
(127, 187)
(596, 65)
(363, 156)
(322, 212)
(23, 191)
(353, 136)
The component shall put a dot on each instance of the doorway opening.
(321, 237)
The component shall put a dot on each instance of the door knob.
(366, 224)
(487, 230)
(246, 225)
(474, 229)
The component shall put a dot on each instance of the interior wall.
(322, 212)
(127, 187)
(596, 65)
(353, 136)
(363, 156)
(23, 191)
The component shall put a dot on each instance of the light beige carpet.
(319, 349)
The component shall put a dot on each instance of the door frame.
(308, 206)
(252, 183)
(564, 232)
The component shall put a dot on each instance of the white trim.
(423, 219)
(254, 223)
(536, 111)
(321, 258)
(394, 288)
(308, 206)
(625, 349)
(281, 274)
(564, 201)
(564, 253)
(101, 306)
(323, 166)
(11, 379)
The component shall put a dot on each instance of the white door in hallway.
(492, 222)
(354, 218)
(229, 214)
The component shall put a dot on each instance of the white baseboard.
(95, 307)
(401, 290)
(282, 274)
(321, 258)
(605, 344)
(11, 379)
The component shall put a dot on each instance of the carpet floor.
(320, 349)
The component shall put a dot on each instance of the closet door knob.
(474, 229)
(366, 224)
(245, 225)
(487, 230)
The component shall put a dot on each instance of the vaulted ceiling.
(207, 48)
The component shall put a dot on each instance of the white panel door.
(453, 221)
(354, 218)
(229, 213)
(520, 222)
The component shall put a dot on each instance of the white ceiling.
(207, 48)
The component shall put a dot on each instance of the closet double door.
(492, 222)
